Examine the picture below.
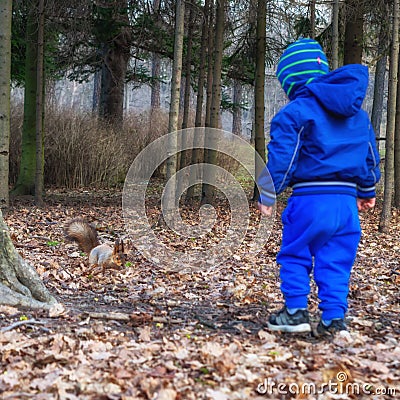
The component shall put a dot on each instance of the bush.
(79, 151)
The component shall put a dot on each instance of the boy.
(323, 145)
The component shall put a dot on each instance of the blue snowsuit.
(323, 145)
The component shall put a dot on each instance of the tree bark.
(208, 192)
(116, 55)
(25, 184)
(170, 198)
(396, 155)
(184, 154)
(196, 151)
(20, 285)
(259, 135)
(155, 82)
(379, 83)
(39, 175)
(155, 67)
(209, 88)
(5, 75)
(237, 108)
(312, 19)
(210, 65)
(188, 73)
(353, 40)
(386, 214)
(335, 34)
(96, 92)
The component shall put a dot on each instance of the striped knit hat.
(300, 63)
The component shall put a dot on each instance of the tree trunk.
(26, 179)
(210, 65)
(196, 151)
(155, 82)
(170, 198)
(259, 92)
(237, 108)
(20, 285)
(208, 192)
(353, 40)
(5, 76)
(116, 55)
(210, 78)
(217, 68)
(335, 34)
(96, 92)
(386, 214)
(184, 154)
(155, 67)
(188, 72)
(39, 175)
(379, 84)
(397, 146)
(312, 19)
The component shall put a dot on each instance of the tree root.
(20, 284)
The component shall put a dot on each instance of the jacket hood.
(341, 91)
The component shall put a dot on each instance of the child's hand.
(265, 210)
(365, 204)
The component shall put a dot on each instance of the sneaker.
(335, 326)
(285, 322)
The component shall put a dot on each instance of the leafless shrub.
(81, 152)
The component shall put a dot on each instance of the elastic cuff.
(366, 193)
(267, 199)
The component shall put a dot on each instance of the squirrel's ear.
(128, 244)
(118, 246)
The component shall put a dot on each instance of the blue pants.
(323, 228)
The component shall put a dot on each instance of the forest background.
(70, 129)
(116, 53)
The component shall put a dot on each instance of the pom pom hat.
(301, 62)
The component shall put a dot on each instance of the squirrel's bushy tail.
(81, 232)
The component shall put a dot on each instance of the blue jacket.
(323, 138)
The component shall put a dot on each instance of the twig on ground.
(19, 323)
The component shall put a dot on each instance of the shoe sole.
(290, 328)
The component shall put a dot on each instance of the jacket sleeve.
(366, 189)
(283, 151)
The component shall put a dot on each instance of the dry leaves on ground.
(146, 333)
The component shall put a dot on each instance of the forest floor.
(143, 332)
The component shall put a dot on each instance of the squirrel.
(85, 235)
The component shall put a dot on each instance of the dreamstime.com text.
(338, 386)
